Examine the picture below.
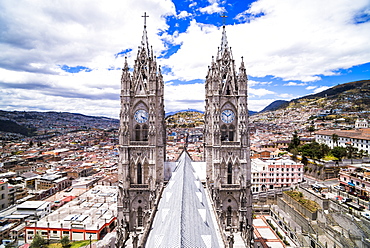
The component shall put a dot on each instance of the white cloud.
(258, 105)
(253, 83)
(193, 4)
(83, 33)
(286, 96)
(184, 96)
(311, 87)
(320, 89)
(213, 8)
(260, 92)
(292, 40)
(183, 14)
(294, 84)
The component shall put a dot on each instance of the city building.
(359, 138)
(90, 216)
(4, 194)
(275, 173)
(356, 180)
(361, 123)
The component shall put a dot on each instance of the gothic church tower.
(227, 148)
(142, 141)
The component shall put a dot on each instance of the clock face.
(141, 116)
(227, 116)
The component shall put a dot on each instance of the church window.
(145, 133)
(227, 133)
(139, 216)
(228, 90)
(139, 173)
(228, 216)
(229, 173)
(224, 136)
(231, 132)
(137, 132)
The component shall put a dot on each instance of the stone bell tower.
(141, 142)
(227, 147)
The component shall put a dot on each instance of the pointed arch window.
(231, 132)
(145, 132)
(139, 174)
(224, 133)
(228, 92)
(228, 216)
(139, 216)
(229, 173)
(137, 132)
(227, 132)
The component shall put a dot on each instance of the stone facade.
(227, 149)
(142, 142)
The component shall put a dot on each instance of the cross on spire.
(145, 16)
(223, 16)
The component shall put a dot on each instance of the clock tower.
(141, 142)
(227, 148)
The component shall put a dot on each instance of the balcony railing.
(140, 186)
(138, 143)
(230, 186)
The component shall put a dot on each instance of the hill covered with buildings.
(46, 124)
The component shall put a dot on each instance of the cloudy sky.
(67, 55)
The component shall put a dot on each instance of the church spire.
(224, 40)
(144, 41)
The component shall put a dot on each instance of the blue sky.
(67, 55)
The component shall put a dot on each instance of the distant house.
(361, 123)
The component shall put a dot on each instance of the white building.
(361, 123)
(359, 138)
(275, 173)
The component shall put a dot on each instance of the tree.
(65, 241)
(295, 142)
(339, 152)
(335, 138)
(38, 241)
(314, 150)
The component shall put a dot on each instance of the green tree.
(65, 241)
(311, 129)
(339, 152)
(295, 141)
(38, 241)
(314, 150)
(335, 138)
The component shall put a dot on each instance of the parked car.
(346, 200)
(364, 197)
(338, 187)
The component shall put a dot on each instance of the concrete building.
(91, 215)
(4, 195)
(275, 173)
(356, 180)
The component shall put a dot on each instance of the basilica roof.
(184, 217)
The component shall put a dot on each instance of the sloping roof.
(184, 217)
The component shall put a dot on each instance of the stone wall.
(294, 214)
(322, 201)
(300, 208)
